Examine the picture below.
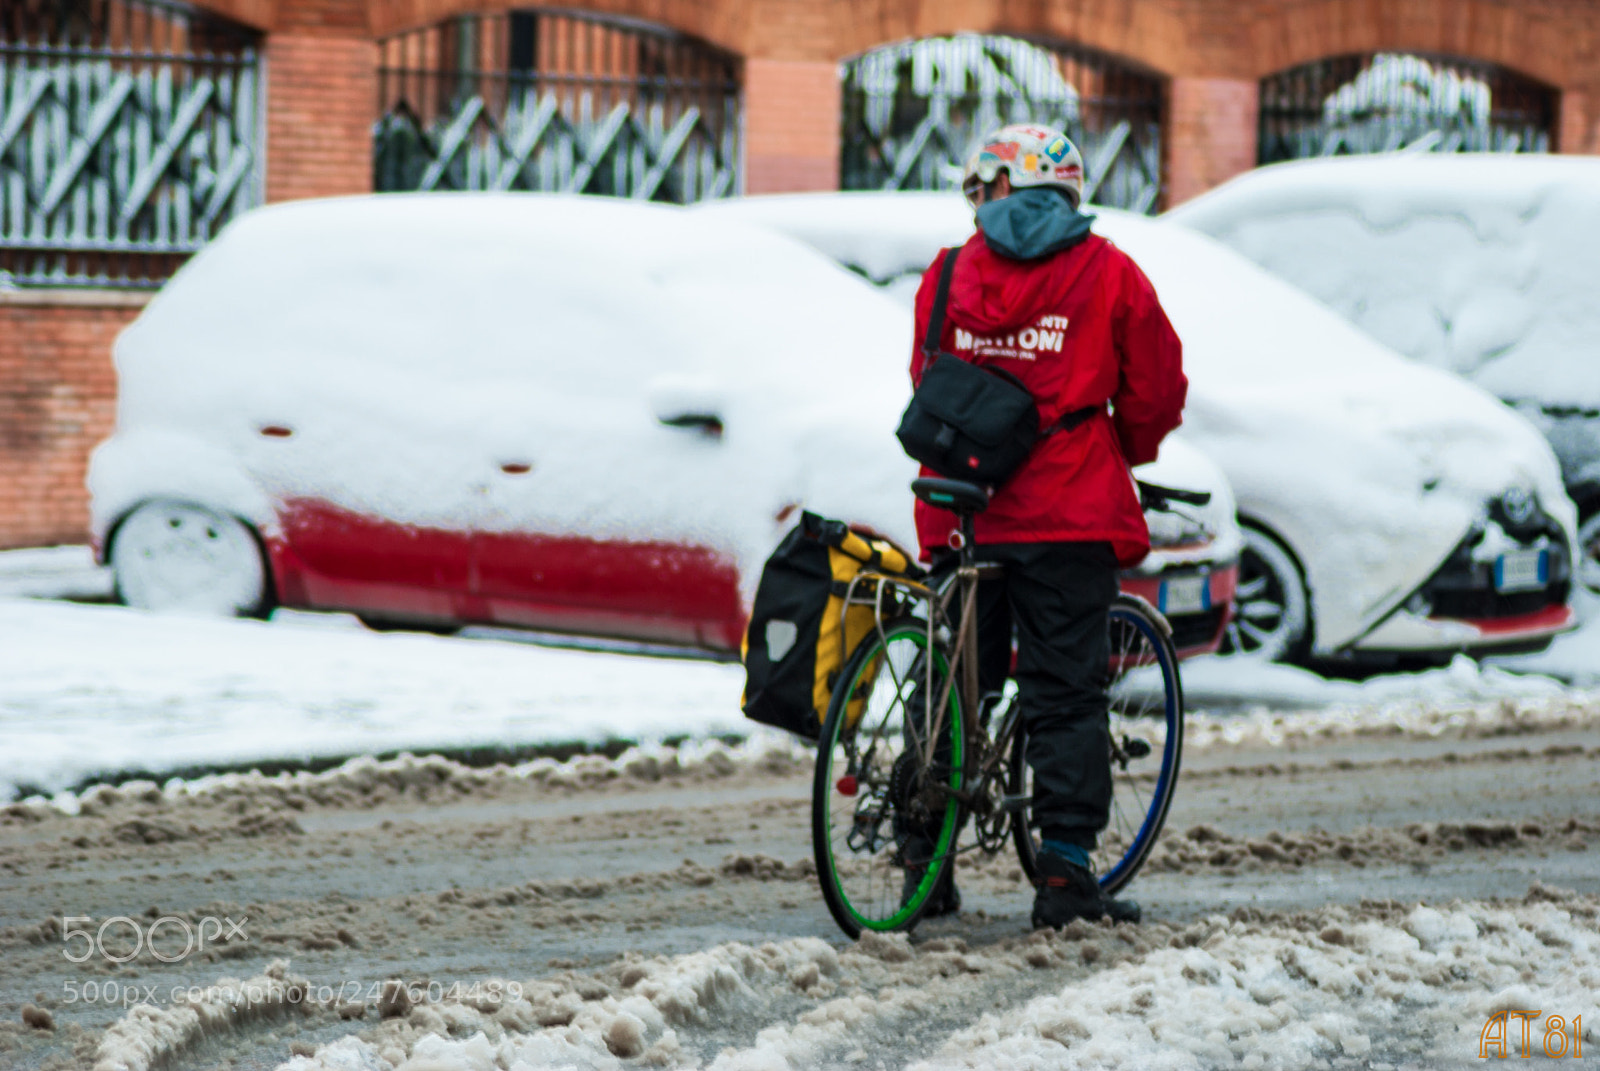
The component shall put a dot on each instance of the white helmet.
(1031, 156)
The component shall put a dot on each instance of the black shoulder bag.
(967, 422)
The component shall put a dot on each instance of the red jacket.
(1079, 328)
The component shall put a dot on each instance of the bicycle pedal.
(1014, 804)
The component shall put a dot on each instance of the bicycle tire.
(1136, 706)
(856, 834)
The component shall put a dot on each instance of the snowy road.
(660, 910)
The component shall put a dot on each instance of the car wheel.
(1272, 612)
(1589, 552)
(178, 556)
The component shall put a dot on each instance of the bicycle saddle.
(955, 495)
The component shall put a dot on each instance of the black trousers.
(1057, 596)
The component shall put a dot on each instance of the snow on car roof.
(410, 280)
(879, 235)
(1480, 263)
(417, 341)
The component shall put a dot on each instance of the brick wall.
(1211, 134)
(1579, 130)
(57, 400)
(321, 94)
(791, 125)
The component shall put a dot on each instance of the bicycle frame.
(982, 754)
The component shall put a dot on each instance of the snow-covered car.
(570, 414)
(1483, 264)
(1390, 510)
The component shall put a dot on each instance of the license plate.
(1524, 570)
(1185, 595)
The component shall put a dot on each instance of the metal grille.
(913, 110)
(1381, 102)
(538, 100)
(128, 136)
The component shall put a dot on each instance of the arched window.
(544, 100)
(1379, 102)
(128, 136)
(912, 111)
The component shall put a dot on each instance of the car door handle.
(707, 424)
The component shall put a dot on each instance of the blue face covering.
(1032, 223)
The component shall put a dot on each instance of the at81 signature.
(1493, 1041)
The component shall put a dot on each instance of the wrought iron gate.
(1387, 101)
(128, 136)
(539, 100)
(913, 109)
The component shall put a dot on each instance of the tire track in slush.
(432, 882)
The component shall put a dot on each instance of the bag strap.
(941, 297)
(935, 335)
(1068, 421)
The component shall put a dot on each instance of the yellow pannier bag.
(801, 632)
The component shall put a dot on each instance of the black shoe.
(1067, 892)
(945, 898)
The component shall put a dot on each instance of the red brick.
(59, 402)
(1211, 133)
(791, 126)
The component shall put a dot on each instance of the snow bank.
(1481, 264)
(1296, 994)
(151, 1035)
(99, 689)
(1377, 982)
(653, 1001)
(1261, 726)
(53, 573)
(367, 782)
(1371, 467)
(1227, 680)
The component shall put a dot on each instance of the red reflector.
(972, 462)
(846, 785)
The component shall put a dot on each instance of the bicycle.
(909, 743)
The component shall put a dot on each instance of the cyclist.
(1037, 295)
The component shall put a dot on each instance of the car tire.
(1588, 569)
(1272, 608)
(169, 555)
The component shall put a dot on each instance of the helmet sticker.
(987, 167)
(1006, 150)
(1057, 149)
(1030, 162)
